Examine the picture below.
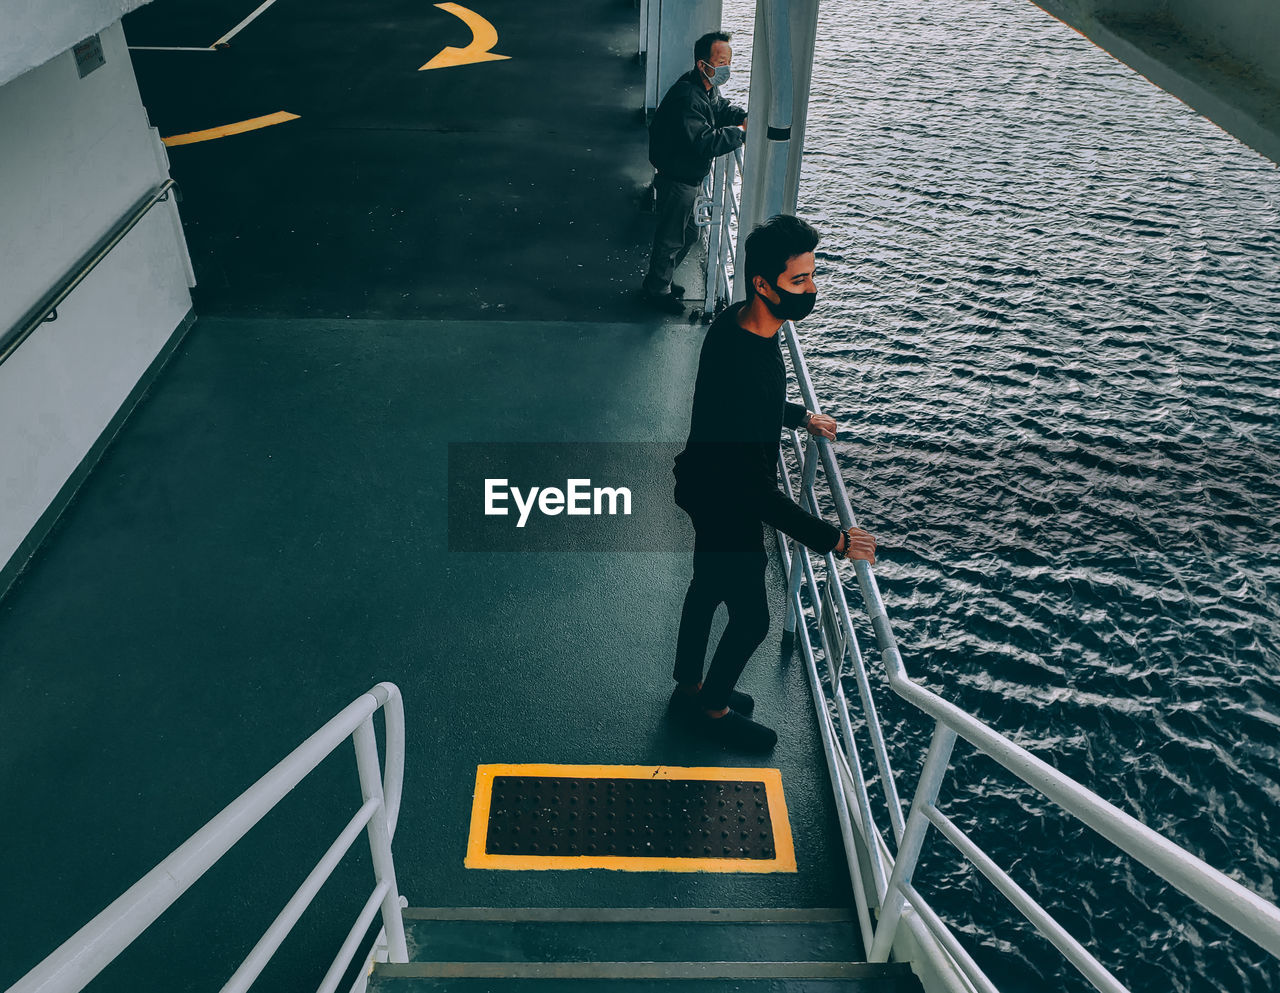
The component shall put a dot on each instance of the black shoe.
(664, 302)
(687, 703)
(677, 290)
(735, 731)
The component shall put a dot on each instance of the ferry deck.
(421, 257)
(411, 229)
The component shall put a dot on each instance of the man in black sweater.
(693, 125)
(727, 481)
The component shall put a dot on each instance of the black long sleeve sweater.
(730, 463)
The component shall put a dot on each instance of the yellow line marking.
(240, 127)
(483, 37)
(784, 859)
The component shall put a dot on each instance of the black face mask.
(791, 306)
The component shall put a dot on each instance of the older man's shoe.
(664, 302)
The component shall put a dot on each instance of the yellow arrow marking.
(240, 127)
(483, 37)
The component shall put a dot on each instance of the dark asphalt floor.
(504, 189)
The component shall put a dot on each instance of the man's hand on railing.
(854, 543)
(823, 425)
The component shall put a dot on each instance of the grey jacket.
(691, 127)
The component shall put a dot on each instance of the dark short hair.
(771, 245)
(702, 47)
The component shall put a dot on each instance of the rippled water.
(1050, 323)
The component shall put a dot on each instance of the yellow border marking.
(483, 37)
(240, 127)
(784, 859)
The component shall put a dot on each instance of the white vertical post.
(773, 174)
(781, 68)
(715, 235)
(652, 28)
(366, 746)
(727, 256)
(935, 769)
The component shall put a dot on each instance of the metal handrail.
(1240, 908)
(47, 309)
(80, 958)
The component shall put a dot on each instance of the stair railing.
(889, 889)
(87, 952)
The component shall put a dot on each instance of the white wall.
(674, 25)
(34, 31)
(1248, 29)
(1168, 41)
(77, 154)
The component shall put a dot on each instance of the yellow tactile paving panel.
(749, 808)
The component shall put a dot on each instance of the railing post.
(714, 236)
(723, 290)
(367, 764)
(808, 474)
(935, 769)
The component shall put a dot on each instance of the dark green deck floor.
(267, 536)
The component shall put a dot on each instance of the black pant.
(728, 567)
(675, 234)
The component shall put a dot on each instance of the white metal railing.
(889, 890)
(86, 953)
(716, 209)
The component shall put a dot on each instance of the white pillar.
(781, 70)
(671, 29)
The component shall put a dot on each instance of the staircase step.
(643, 977)
(643, 970)
(596, 914)
(382, 984)
(637, 950)
(555, 935)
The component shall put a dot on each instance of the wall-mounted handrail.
(47, 309)
(1240, 908)
(74, 964)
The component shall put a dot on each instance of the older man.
(692, 126)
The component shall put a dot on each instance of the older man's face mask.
(718, 75)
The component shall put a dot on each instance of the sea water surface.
(1049, 323)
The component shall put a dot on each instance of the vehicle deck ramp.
(628, 950)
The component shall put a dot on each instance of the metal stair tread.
(644, 970)
(660, 936)
(772, 915)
